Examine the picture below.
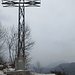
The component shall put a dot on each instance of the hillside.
(68, 68)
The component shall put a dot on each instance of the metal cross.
(21, 20)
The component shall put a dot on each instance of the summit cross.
(21, 4)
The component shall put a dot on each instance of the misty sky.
(52, 28)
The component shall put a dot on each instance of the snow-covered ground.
(42, 74)
(2, 73)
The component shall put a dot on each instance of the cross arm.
(16, 4)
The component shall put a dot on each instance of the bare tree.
(11, 39)
(2, 35)
(12, 43)
(37, 67)
(2, 42)
(2, 62)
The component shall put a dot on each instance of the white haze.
(52, 28)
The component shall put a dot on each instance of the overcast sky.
(52, 28)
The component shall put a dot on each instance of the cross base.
(20, 63)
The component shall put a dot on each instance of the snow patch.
(43, 74)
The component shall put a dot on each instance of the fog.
(52, 28)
